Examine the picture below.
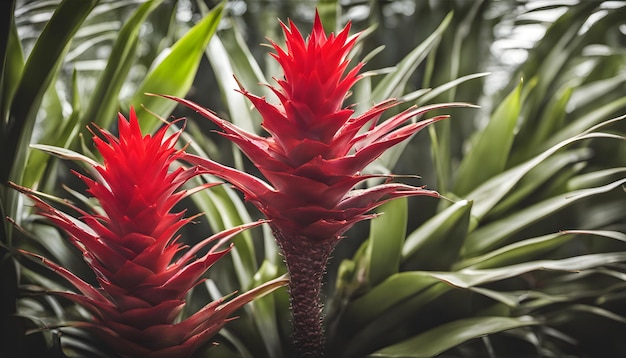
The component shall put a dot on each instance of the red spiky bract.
(312, 159)
(131, 244)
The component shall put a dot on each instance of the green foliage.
(524, 256)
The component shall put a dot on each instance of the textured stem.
(306, 263)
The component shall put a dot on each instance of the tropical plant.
(130, 240)
(313, 160)
(525, 257)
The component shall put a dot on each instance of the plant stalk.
(306, 263)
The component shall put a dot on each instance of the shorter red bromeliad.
(313, 159)
(131, 243)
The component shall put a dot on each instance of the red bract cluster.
(313, 158)
(131, 243)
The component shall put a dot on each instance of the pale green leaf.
(490, 151)
(515, 253)
(468, 277)
(12, 63)
(42, 65)
(496, 233)
(387, 233)
(487, 195)
(597, 115)
(450, 335)
(539, 177)
(104, 101)
(175, 73)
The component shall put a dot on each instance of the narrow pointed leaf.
(443, 234)
(450, 335)
(175, 73)
(12, 60)
(487, 195)
(393, 84)
(490, 151)
(104, 101)
(41, 66)
(387, 233)
(496, 233)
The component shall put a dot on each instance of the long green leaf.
(496, 233)
(516, 253)
(104, 101)
(539, 177)
(373, 304)
(12, 60)
(387, 233)
(597, 178)
(41, 67)
(450, 335)
(552, 119)
(435, 244)
(238, 108)
(263, 310)
(468, 277)
(381, 328)
(174, 75)
(422, 96)
(487, 195)
(394, 83)
(590, 119)
(490, 151)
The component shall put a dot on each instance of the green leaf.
(423, 96)
(597, 115)
(12, 61)
(104, 101)
(238, 109)
(263, 311)
(224, 210)
(469, 277)
(595, 91)
(487, 195)
(548, 57)
(387, 233)
(515, 253)
(380, 329)
(539, 177)
(174, 75)
(551, 120)
(41, 67)
(65, 153)
(435, 245)
(231, 58)
(597, 178)
(450, 335)
(490, 151)
(37, 161)
(393, 84)
(379, 299)
(496, 233)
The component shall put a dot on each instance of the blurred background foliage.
(527, 258)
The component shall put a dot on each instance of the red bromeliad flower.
(313, 158)
(133, 247)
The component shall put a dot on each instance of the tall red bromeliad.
(313, 158)
(132, 246)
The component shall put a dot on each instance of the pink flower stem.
(306, 262)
